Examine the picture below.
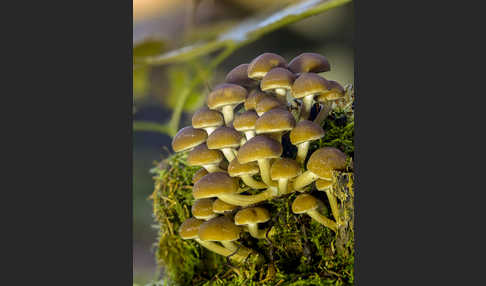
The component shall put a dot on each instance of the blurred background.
(164, 25)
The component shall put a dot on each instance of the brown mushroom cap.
(259, 147)
(322, 185)
(252, 99)
(245, 121)
(239, 76)
(309, 62)
(236, 169)
(266, 103)
(202, 209)
(335, 91)
(224, 137)
(201, 155)
(326, 159)
(309, 84)
(277, 78)
(220, 207)
(304, 131)
(220, 228)
(252, 215)
(199, 174)
(188, 138)
(189, 229)
(205, 117)
(304, 203)
(213, 184)
(226, 94)
(275, 120)
(284, 168)
(262, 64)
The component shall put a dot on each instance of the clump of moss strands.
(302, 251)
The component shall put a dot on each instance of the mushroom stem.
(322, 220)
(249, 134)
(214, 247)
(228, 153)
(250, 182)
(323, 113)
(212, 168)
(228, 114)
(282, 186)
(259, 233)
(302, 150)
(264, 165)
(334, 205)
(304, 179)
(306, 106)
(210, 130)
(246, 200)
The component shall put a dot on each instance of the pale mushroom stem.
(249, 134)
(214, 247)
(210, 130)
(246, 200)
(306, 106)
(282, 186)
(304, 179)
(228, 153)
(252, 183)
(323, 113)
(302, 150)
(228, 114)
(322, 220)
(259, 233)
(264, 165)
(212, 168)
(334, 205)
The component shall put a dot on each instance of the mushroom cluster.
(238, 140)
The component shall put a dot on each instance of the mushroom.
(320, 166)
(239, 76)
(262, 64)
(303, 133)
(252, 99)
(222, 207)
(203, 209)
(335, 92)
(207, 158)
(310, 205)
(226, 97)
(261, 149)
(278, 80)
(199, 174)
(326, 186)
(225, 139)
(207, 119)
(277, 120)
(189, 229)
(309, 62)
(246, 171)
(251, 217)
(266, 103)
(225, 188)
(306, 87)
(188, 138)
(284, 169)
(245, 122)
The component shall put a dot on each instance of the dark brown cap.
(304, 203)
(266, 103)
(252, 215)
(324, 160)
(275, 120)
(203, 209)
(226, 94)
(277, 78)
(220, 228)
(262, 64)
(309, 84)
(201, 155)
(213, 184)
(284, 168)
(252, 99)
(245, 121)
(189, 229)
(224, 137)
(188, 138)
(309, 62)
(239, 76)
(205, 117)
(259, 147)
(304, 131)
(335, 91)
(236, 169)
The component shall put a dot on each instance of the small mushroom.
(277, 120)
(278, 80)
(282, 170)
(252, 99)
(226, 97)
(222, 207)
(303, 133)
(306, 87)
(310, 205)
(239, 76)
(335, 92)
(245, 172)
(309, 62)
(251, 217)
(203, 209)
(266, 103)
(226, 139)
(326, 186)
(188, 138)
(320, 166)
(245, 122)
(207, 119)
(262, 64)
(199, 174)
(207, 158)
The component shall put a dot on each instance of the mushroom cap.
(199, 174)
(252, 99)
(323, 185)
(202, 209)
(304, 131)
(262, 64)
(259, 147)
(275, 120)
(252, 215)
(220, 207)
(213, 184)
(224, 137)
(277, 78)
(284, 168)
(188, 138)
(245, 121)
(205, 117)
(220, 228)
(239, 76)
(201, 155)
(309, 62)
(324, 160)
(335, 91)
(236, 169)
(226, 94)
(189, 229)
(304, 203)
(309, 84)
(266, 103)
